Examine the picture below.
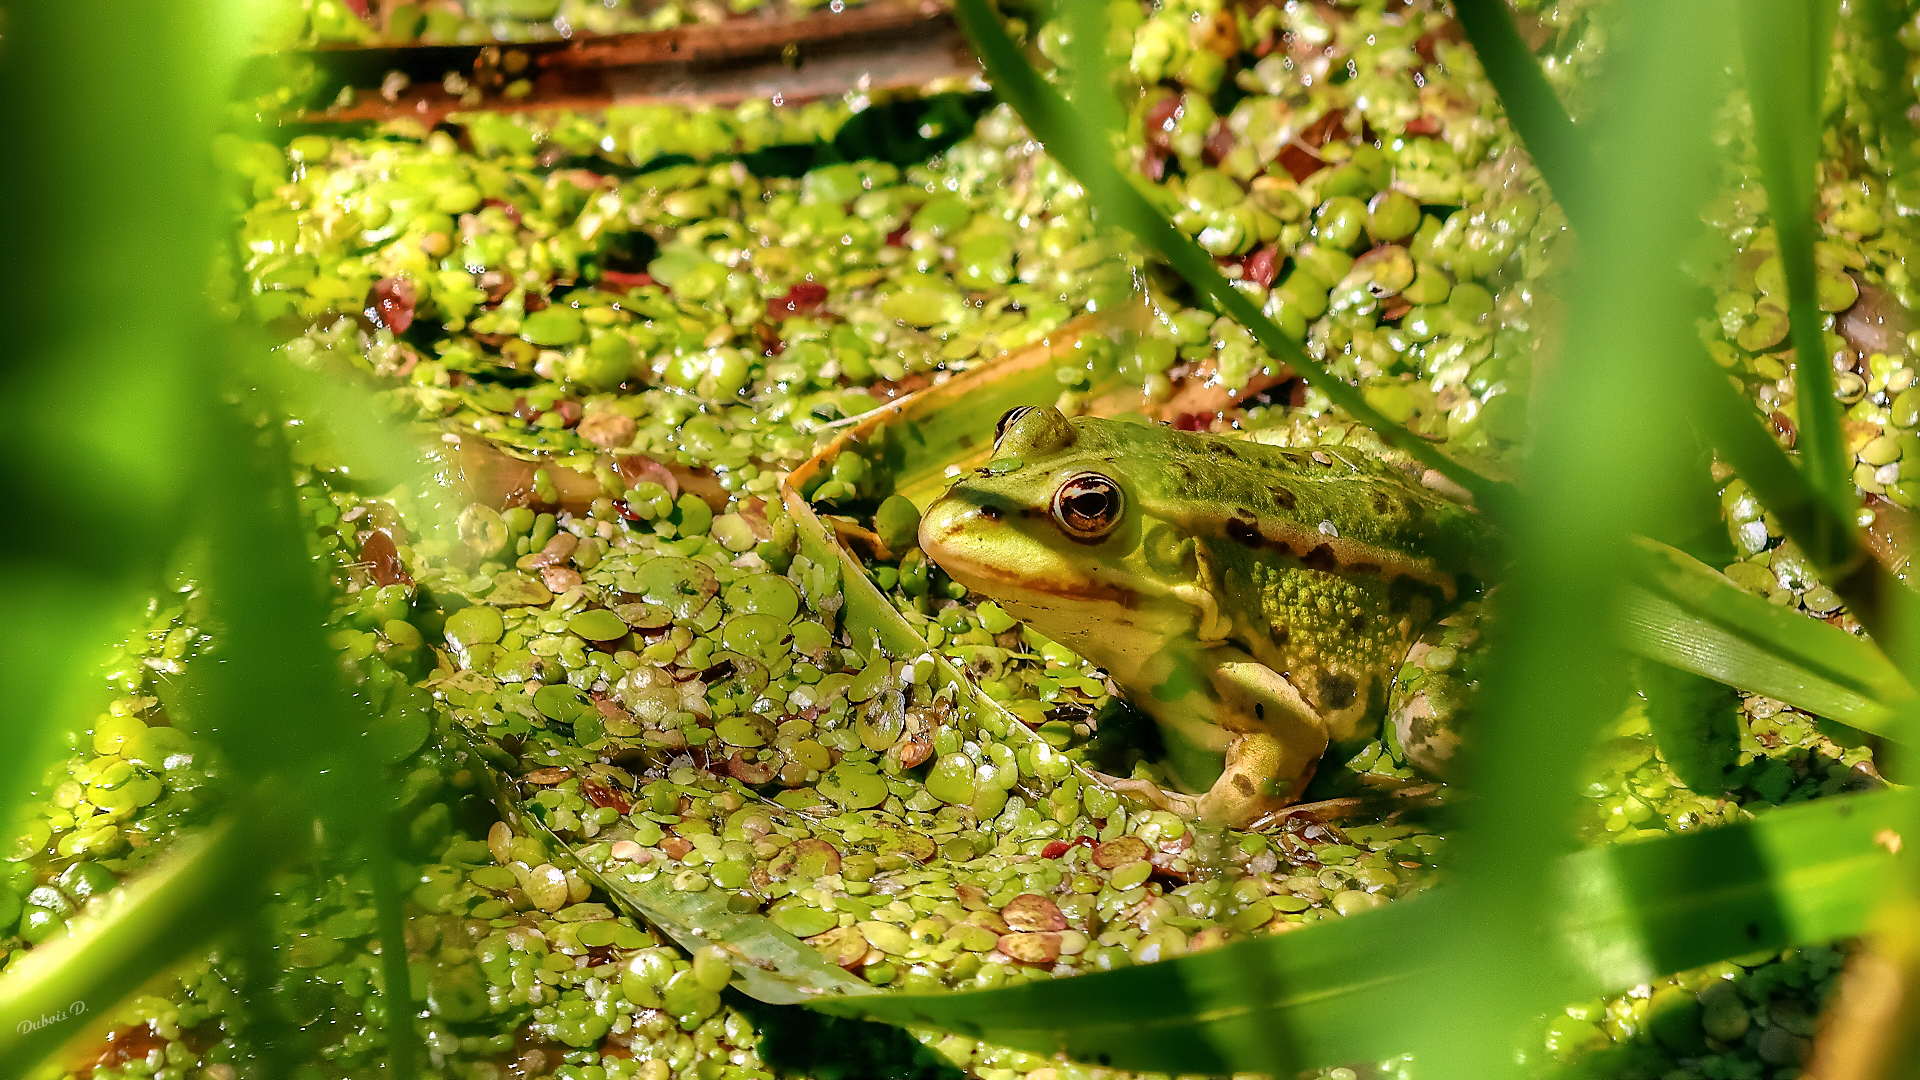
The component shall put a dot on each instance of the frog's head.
(1052, 529)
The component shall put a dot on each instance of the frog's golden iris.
(1254, 600)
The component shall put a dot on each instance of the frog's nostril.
(990, 512)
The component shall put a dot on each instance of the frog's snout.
(945, 520)
(954, 532)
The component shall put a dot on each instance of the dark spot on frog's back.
(1382, 503)
(1282, 498)
(1321, 558)
(1243, 531)
(1337, 691)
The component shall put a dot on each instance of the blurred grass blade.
(166, 915)
(1077, 146)
(1093, 96)
(1695, 720)
(1871, 1028)
(1687, 615)
(1332, 992)
(1785, 45)
(57, 623)
(1602, 466)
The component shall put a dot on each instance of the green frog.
(1256, 601)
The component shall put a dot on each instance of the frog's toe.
(1187, 806)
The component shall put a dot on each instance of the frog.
(1254, 600)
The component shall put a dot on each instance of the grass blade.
(1785, 44)
(1532, 107)
(1816, 522)
(1687, 615)
(1319, 996)
(1075, 145)
(1603, 466)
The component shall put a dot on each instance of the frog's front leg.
(1277, 740)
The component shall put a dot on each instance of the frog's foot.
(1187, 806)
(1401, 800)
(1260, 778)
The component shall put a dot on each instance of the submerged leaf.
(769, 964)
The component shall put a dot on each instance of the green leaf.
(1343, 990)
(1683, 613)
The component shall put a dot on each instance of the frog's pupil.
(1091, 505)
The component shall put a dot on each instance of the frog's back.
(1333, 508)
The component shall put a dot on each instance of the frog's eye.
(1007, 418)
(1087, 506)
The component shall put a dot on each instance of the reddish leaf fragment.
(390, 303)
(800, 300)
(1262, 265)
(507, 208)
(1784, 428)
(382, 560)
(1161, 120)
(1060, 847)
(636, 468)
(1299, 161)
(622, 280)
(1219, 143)
(600, 793)
(898, 237)
(753, 773)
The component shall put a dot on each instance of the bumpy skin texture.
(1254, 600)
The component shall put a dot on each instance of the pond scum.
(621, 336)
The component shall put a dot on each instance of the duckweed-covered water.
(617, 625)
